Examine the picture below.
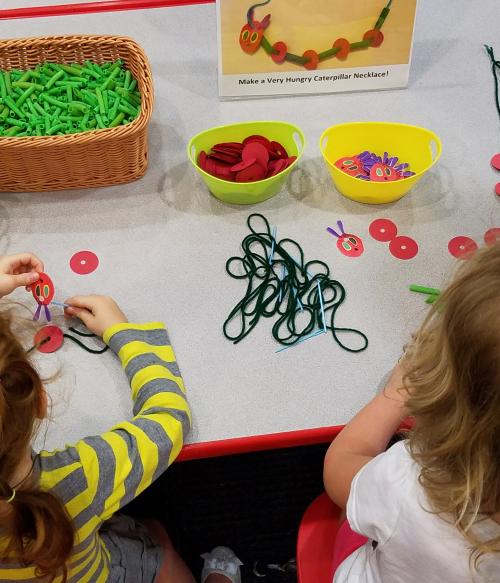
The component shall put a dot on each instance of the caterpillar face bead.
(253, 31)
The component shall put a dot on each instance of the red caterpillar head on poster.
(251, 34)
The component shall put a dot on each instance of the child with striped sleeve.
(58, 520)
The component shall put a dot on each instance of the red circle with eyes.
(462, 247)
(84, 262)
(49, 339)
(383, 230)
(492, 236)
(403, 248)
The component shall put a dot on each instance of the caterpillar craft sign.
(276, 47)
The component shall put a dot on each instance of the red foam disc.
(495, 161)
(462, 247)
(258, 152)
(492, 236)
(383, 230)
(84, 262)
(49, 339)
(253, 173)
(497, 188)
(403, 247)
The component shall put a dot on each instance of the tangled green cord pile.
(55, 99)
(280, 283)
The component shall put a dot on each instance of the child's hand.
(19, 270)
(98, 313)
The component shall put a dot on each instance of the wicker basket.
(94, 158)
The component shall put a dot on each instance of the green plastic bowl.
(289, 135)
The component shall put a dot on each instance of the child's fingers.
(21, 263)
(24, 279)
(81, 313)
(87, 302)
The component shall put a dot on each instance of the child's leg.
(173, 569)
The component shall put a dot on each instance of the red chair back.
(315, 542)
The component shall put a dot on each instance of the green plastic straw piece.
(13, 107)
(38, 130)
(127, 79)
(69, 93)
(75, 79)
(55, 129)
(92, 123)
(329, 53)
(52, 101)
(38, 108)
(5, 112)
(27, 85)
(431, 299)
(24, 77)
(111, 77)
(362, 44)
(88, 97)
(16, 122)
(79, 106)
(7, 82)
(132, 85)
(54, 78)
(114, 108)
(127, 109)
(3, 88)
(424, 290)
(71, 70)
(31, 107)
(90, 71)
(118, 120)
(66, 83)
(105, 99)
(25, 95)
(12, 131)
(100, 122)
(47, 123)
(100, 101)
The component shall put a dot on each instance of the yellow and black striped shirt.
(99, 475)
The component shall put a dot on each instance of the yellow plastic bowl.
(290, 136)
(418, 146)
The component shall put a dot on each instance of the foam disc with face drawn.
(403, 248)
(43, 290)
(84, 262)
(49, 339)
(383, 230)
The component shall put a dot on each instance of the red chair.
(315, 542)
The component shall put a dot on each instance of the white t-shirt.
(387, 504)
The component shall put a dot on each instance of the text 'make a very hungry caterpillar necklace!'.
(252, 37)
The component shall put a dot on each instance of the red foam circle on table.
(492, 236)
(495, 161)
(462, 247)
(497, 188)
(403, 247)
(383, 230)
(54, 336)
(84, 262)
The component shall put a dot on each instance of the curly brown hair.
(35, 524)
(453, 381)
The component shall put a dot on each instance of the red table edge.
(89, 7)
(239, 445)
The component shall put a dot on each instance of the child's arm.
(363, 438)
(118, 465)
(19, 270)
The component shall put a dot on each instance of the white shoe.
(223, 561)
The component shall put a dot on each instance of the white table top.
(163, 241)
